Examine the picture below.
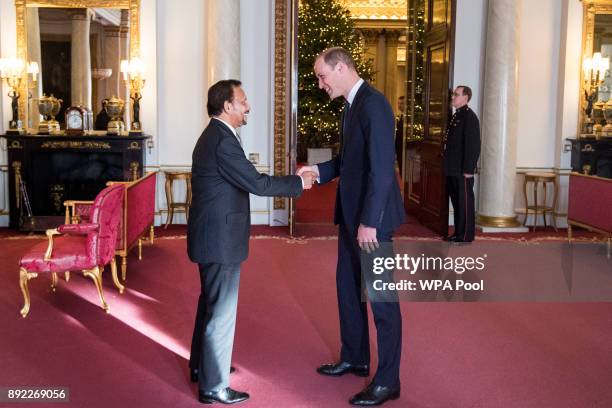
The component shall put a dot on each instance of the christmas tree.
(322, 24)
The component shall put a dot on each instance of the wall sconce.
(12, 71)
(133, 75)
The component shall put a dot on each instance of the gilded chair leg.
(169, 217)
(569, 233)
(96, 275)
(53, 281)
(118, 284)
(140, 249)
(123, 268)
(151, 234)
(67, 276)
(24, 277)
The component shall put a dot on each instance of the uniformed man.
(461, 152)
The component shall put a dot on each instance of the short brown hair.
(466, 90)
(334, 55)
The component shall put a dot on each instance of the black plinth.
(594, 154)
(58, 168)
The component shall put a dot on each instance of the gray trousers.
(213, 334)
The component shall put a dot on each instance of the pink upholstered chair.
(86, 247)
(137, 218)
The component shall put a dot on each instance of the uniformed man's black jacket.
(462, 143)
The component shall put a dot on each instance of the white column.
(81, 59)
(223, 40)
(500, 113)
(33, 39)
(112, 57)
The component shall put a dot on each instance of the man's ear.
(226, 106)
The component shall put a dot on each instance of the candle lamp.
(133, 75)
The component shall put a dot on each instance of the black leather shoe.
(375, 395)
(225, 396)
(341, 368)
(451, 238)
(194, 373)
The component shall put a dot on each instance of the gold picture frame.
(590, 9)
(20, 9)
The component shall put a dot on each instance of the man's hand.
(366, 236)
(314, 169)
(308, 178)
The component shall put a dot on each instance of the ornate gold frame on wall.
(20, 8)
(590, 9)
(281, 93)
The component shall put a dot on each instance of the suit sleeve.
(379, 131)
(329, 170)
(240, 172)
(471, 148)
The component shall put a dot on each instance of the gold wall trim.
(75, 145)
(281, 62)
(590, 9)
(20, 10)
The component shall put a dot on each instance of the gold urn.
(598, 117)
(607, 130)
(114, 107)
(49, 107)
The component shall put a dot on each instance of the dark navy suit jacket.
(368, 192)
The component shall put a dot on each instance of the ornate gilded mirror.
(78, 46)
(596, 79)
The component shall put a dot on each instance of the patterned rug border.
(304, 239)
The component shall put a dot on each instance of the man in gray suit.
(218, 234)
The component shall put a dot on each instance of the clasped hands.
(366, 236)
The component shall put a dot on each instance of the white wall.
(549, 71)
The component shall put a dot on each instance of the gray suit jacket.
(222, 178)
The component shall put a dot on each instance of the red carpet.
(455, 354)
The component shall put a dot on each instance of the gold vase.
(114, 108)
(49, 107)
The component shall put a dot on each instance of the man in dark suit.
(218, 234)
(368, 209)
(461, 152)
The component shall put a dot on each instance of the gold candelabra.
(594, 70)
(133, 76)
(12, 71)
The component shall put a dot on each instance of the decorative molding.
(75, 145)
(15, 144)
(377, 9)
(281, 62)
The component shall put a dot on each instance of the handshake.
(309, 175)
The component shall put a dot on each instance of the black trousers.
(461, 192)
(353, 314)
(213, 334)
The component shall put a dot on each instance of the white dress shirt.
(230, 128)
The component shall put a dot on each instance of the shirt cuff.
(316, 169)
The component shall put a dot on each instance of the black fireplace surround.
(53, 169)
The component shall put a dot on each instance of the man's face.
(401, 105)
(239, 109)
(329, 78)
(459, 99)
